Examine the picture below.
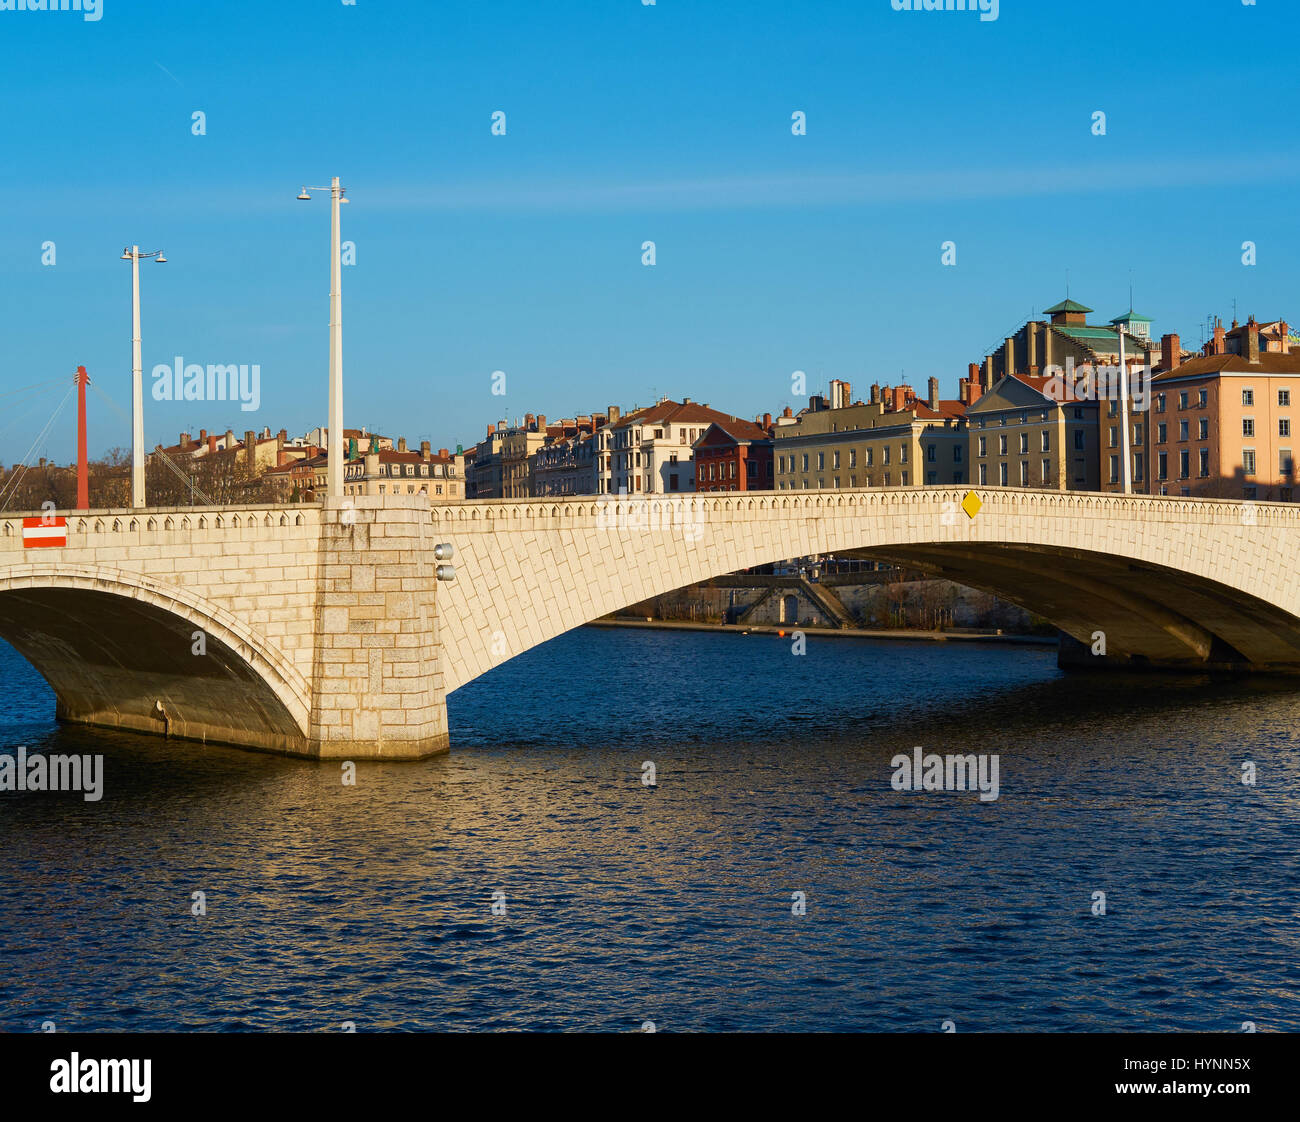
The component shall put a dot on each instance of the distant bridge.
(320, 629)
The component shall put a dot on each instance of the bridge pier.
(376, 688)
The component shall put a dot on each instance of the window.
(1248, 426)
(1112, 409)
(1137, 469)
(1046, 441)
(1284, 397)
(780, 467)
(1024, 443)
(1182, 430)
(1047, 471)
(870, 457)
(1024, 473)
(1285, 464)
(956, 453)
(1203, 428)
(932, 477)
(1114, 436)
(853, 457)
(1162, 432)
(983, 446)
(1202, 396)
(1078, 440)
(837, 483)
(821, 461)
(805, 461)
(1002, 444)
(1203, 462)
(1247, 397)
(1114, 469)
(1162, 466)
(1002, 473)
(902, 478)
(931, 454)
(884, 454)
(1182, 399)
(1248, 460)
(1137, 436)
(984, 474)
(835, 460)
(1284, 426)
(1184, 459)
(902, 453)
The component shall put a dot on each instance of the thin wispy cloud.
(825, 188)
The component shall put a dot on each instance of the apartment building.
(439, 475)
(735, 456)
(893, 440)
(1020, 435)
(1222, 421)
(652, 450)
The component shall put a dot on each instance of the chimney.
(767, 420)
(987, 381)
(528, 420)
(541, 422)
(1286, 337)
(973, 393)
(686, 401)
(184, 441)
(787, 412)
(934, 394)
(1009, 355)
(1252, 340)
(230, 439)
(443, 454)
(491, 428)
(1218, 346)
(875, 393)
(250, 449)
(614, 414)
(212, 444)
(1170, 352)
(963, 390)
(401, 444)
(282, 436)
(203, 436)
(424, 450)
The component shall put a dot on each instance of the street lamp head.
(344, 199)
(126, 254)
(304, 196)
(160, 259)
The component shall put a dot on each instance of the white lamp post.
(1126, 463)
(133, 254)
(334, 447)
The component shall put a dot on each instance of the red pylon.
(83, 470)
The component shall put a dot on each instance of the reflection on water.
(624, 903)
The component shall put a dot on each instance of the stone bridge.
(321, 630)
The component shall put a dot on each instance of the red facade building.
(735, 456)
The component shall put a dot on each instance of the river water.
(675, 904)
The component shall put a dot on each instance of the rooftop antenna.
(1067, 284)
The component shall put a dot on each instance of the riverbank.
(966, 635)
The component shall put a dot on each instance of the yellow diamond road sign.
(971, 504)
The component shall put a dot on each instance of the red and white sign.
(38, 533)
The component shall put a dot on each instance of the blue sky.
(625, 123)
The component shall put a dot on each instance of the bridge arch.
(118, 650)
(1188, 583)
